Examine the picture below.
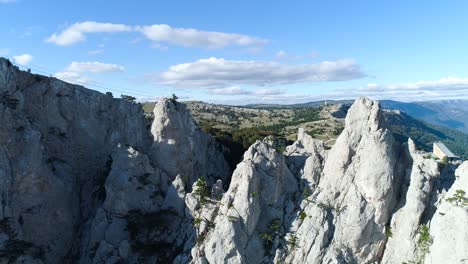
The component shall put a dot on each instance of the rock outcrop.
(180, 148)
(252, 210)
(346, 219)
(449, 226)
(75, 164)
(55, 144)
(416, 195)
(85, 178)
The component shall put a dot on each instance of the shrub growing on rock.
(458, 199)
(202, 190)
(128, 98)
(424, 242)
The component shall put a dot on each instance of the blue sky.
(240, 52)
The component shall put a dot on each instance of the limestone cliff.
(72, 158)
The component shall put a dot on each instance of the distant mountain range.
(448, 113)
(425, 134)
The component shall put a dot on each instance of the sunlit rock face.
(55, 146)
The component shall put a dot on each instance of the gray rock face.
(448, 227)
(67, 191)
(260, 191)
(355, 196)
(133, 184)
(180, 148)
(55, 142)
(402, 245)
(306, 158)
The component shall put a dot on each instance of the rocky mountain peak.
(364, 114)
(181, 148)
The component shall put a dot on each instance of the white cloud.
(94, 67)
(72, 77)
(77, 32)
(219, 73)
(159, 33)
(270, 91)
(23, 59)
(444, 88)
(236, 90)
(189, 37)
(283, 55)
(233, 90)
(74, 72)
(448, 83)
(268, 99)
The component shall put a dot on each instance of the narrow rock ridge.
(84, 178)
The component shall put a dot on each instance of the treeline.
(238, 140)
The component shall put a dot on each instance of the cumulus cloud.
(270, 92)
(72, 77)
(286, 98)
(158, 33)
(219, 73)
(190, 37)
(23, 59)
(236, 90)
(94, 67)
(233, 90)
(74, 72)
(444, 88)
(77, 32)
